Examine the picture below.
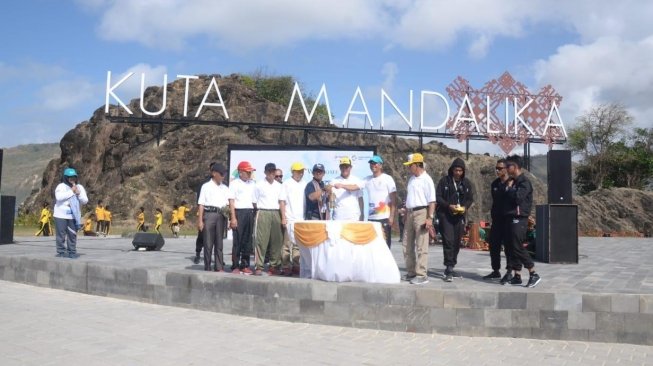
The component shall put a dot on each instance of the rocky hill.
(125, 166)
(22, 168)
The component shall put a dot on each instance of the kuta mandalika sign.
(527, 117)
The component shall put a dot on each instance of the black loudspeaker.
(556, 233)
(1, 153)
(149, 241)
(7, 213)
(558, 168)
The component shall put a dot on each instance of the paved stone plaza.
(608, 297)
(43, 326)
(607, 265)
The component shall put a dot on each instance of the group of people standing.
(272, 204)
(177, 219)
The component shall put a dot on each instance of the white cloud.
(389, 72)
(66, 94)
(29, 71)
(610, 69)
(235, 25)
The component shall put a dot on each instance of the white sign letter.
(206, 95)
(358, 93)
(385, 96)
(110, 89)
(165, 92)
(187, 77)
(554, 107)
(446, 118)
(298, 92)
(468, 104)
(488, 120)
(518, 118)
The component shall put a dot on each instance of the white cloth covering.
(339, 260)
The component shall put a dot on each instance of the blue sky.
(55, 54)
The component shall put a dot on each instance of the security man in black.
(497, 238)
(519, 201)
(454, 196)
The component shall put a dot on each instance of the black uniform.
(498, 213)
(452, 227)
(519, 201)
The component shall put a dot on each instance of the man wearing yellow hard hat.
(348, 194)
(292, 210)
(420, 207)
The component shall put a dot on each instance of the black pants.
(496, 240)
(213, 228)
(401, 227)
(451, 228)
(199, 242)
(242, 242)
(387, 230)
(515, 235)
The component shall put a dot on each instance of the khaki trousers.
(289, 253)
(416, 239)
(268, 232)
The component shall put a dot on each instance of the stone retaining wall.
(617, 318)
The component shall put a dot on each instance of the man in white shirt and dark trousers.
(241, 206)
(346, 190)
(213, 200)
(67, 214)
(382, 192)
(292, 210)
(268, 221)
(420, 207)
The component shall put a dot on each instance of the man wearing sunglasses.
(519, 201)
(498, 191)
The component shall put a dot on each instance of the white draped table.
(344, 251)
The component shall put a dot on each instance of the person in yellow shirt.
(107, 220)
(88, 226)
(141, 220)
(159, 220)
(181, 214)
(174, 221)
(44, 220)
(99, 215)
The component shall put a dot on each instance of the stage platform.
(607, 297)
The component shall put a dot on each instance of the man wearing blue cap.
(67, 214)
(316, 196)
(382, 192)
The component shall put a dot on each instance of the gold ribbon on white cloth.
(359, 233)
(310, 234)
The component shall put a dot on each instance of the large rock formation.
(124, 165)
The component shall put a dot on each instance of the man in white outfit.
(382, 192)
(347, 192)
(292, 206)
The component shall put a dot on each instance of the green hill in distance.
(23, 166)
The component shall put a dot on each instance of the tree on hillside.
(611, 156)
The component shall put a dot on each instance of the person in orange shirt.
(99, 216)
(181, 213)
(141, 220)
(107, 220)
(88, 226)
(174, 221)
(44, 221)
(159, 220)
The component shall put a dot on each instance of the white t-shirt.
(267, 195)
(379, 189)
(346, 202)
(421, 191)
(212, 194)
(292, 192)
(62, 194)
(242, 193)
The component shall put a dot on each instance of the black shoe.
(533, 280)
(408, 278)
(492, 276)
(455, 274)
(448, 277)
(516, 280)
(73, 255)
(62, 255)
(196, 260)
(506, 278)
